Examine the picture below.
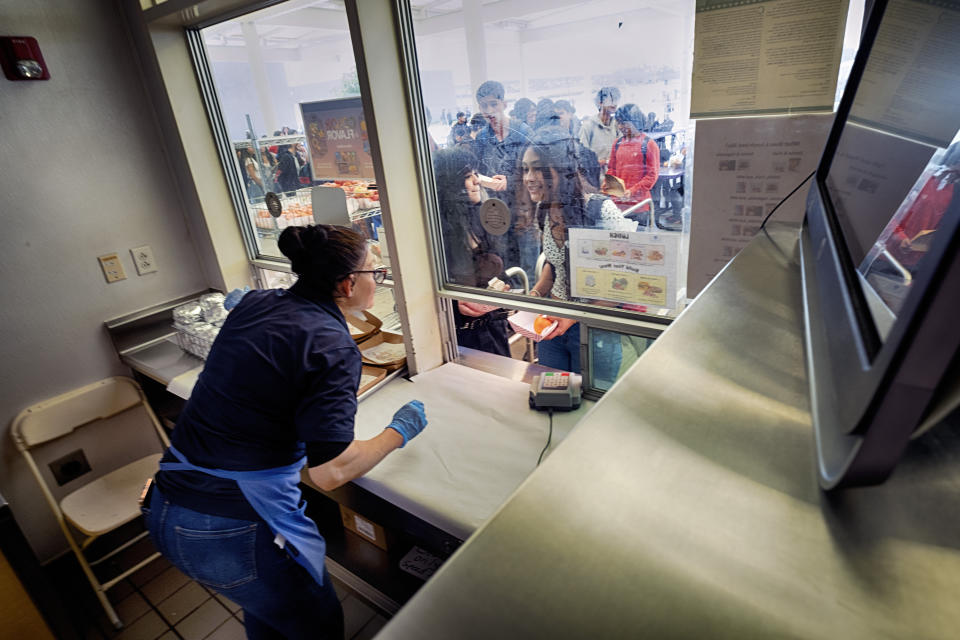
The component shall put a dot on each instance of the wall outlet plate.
(112, 267)
(143, 259)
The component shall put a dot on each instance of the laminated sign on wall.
(754, 57)
(635, 268)
(745, 166)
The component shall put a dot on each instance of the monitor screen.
(880, 245)
(891, 179)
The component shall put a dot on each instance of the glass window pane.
(384, 305)
(549, 133)
(611, 354)
(288, 92)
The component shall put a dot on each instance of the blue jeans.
(238, 559)
(564, 353)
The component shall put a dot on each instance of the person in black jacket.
(288, 172)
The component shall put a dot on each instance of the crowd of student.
(553, 171)
(279, 167)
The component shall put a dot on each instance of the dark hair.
(611, 93)
(324, 254)
(451, 167)
(631, 113)
(557, 150)
(546, 114)
(652, 121)
(521, 108)
(461, 114)
(564, 105)
(490, 88)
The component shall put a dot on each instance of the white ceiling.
(306, 23)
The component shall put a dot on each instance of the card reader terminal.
(555, 390)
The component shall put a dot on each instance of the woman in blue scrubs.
(278, 391)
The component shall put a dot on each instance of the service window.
(287, 92)
(283, 93)
(558, 146)
(559, 135)
(562, 164)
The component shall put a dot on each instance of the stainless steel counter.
(686, 503)
(162, 361)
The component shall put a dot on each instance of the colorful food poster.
(745, 166)
(636, 268)
(754, 57)
(337, 140)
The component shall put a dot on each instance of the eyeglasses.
(379, 275)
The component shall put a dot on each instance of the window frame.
(590, 316)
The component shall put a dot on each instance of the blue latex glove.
(233, 298)
(409, 420)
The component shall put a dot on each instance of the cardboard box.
(371, 350)
(362, 328)
(369, 531)
(378, 375)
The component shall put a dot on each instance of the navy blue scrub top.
(280, 382)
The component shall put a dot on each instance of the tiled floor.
(161, 602)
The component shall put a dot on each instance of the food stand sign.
(637, 268)
(337, 139)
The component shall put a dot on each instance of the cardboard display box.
(369, 531)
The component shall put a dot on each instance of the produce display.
(298, 212)
(360, 194)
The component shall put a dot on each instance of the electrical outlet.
(69, 467)
(112, 268)
(143, 259)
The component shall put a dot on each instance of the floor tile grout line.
(365, 625)
(220, 626)
(214, 594)
(163, 618)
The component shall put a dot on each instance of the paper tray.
(378, 373)
(362, 328)
(522, 323)
(378, 339)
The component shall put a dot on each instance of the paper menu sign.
(639, 268)
(745, 166)
(766, 56)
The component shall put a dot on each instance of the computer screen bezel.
(868, 394)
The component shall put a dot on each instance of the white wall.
(83, 174)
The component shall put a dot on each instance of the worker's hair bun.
(323, 254)
(298, 243)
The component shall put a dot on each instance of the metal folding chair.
(105, 498)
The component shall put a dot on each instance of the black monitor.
(880, 247)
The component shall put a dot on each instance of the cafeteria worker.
(279, 390)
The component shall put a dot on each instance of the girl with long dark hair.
(473, 255)
(552, 179)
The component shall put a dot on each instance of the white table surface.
(482, 440)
